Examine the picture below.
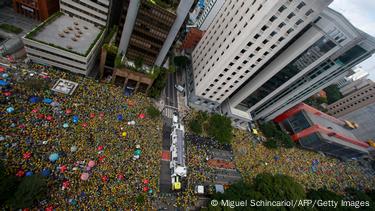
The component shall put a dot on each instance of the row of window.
(265, 41)
(344, 108)
(84, 12)
(359, 95)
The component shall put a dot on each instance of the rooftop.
(67, 33)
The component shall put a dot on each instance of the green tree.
(153, 112)
(333, 93)
(284, 139)
(181, 61)
(195, 126)
(325, 195)
(278, 187)
(30, 189)
(268, 128)
(271, 143)
(220, 128)
(138, 62)
(8, 185)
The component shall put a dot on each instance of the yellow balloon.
(123, 134)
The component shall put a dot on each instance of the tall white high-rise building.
(259, 58)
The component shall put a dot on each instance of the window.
(282, 8)
(256, 36)
(260, 7)
(226, 70)
(220, 75)
(259, 60)
(291, 15)
(251, 18)
(229, 78)
(249, 44)
(243, 51)
(236, 58)
(273, 18)
(290, 31)
(309, 12)
(234, 73)
(264, 28)
(258, 49)
(251, 56)
(299, 22)
(265, 53)
(273, 46)
(245, 62)
(273, 33)
(281, 25)
(265, 41)
(302, 4)
(231, 64)
(239, 68)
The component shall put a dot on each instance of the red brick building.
(192, 38)
(36, 9)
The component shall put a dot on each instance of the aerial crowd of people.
(98, 148)
(311, 169)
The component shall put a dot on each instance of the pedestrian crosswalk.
(168, 112)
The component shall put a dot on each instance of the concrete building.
(354, 101)
(260, 58)
(320, 132)
(355, 86)
(148, 30)
(211, 9)
(70, 39)
(92, 11)
(36, 9)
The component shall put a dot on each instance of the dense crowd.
(311, 169)
(82, 143)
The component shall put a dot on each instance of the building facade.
(211, 9)
(354, 101)
(148, 30)
(36, 9)
(260, 58)
(320, 132)
(92, 11)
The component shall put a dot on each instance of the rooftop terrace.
(67, 33)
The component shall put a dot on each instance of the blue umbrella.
(34, 99)
(3, 83)
(10, 109)
(46, 172)
(5, 75)
(75, 119)
(120, 117)
(29, 173)
(47, 100)
(53, 157)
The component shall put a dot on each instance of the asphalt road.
(170, 91)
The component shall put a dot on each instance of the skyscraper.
(260, 58)
(147, 29)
